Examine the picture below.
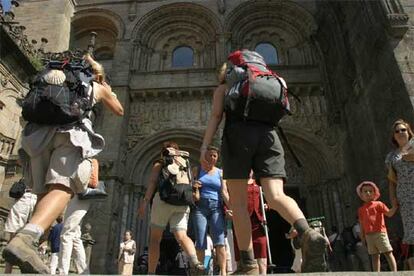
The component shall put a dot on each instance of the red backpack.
(256, 93)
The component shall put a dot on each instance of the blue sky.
(6, 4)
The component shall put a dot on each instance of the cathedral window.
(183, 56)
(268, 51)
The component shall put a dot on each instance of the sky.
(6, 4)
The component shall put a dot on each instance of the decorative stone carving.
(221, 5)
(132, 11)
(88, 241)
(398, 20)
(157, 111)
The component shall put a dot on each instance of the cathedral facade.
(349, 64)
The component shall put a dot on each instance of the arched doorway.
(139, 163)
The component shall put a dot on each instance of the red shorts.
(258, 238)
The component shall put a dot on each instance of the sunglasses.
(401, 130)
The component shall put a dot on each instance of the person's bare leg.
(262, 262)
(375, 262)
(279, 201)
(221, 258)
(185, 242)
(313, 244)
(154, 248)
(243, 228)
(241, 220)
(51, 205)
(21, 250)
(200, 254)
(391, 261)
(188, 246)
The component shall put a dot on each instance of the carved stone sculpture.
(88, 241)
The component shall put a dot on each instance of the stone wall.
(15, 70)
(365, 86)
(50, 19)
(349, 62)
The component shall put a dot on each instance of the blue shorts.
(208, 214)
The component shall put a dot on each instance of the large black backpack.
(256, 93)
(59, 95)
(175, 181)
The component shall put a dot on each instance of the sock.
(34, 230)
(301, 225)
(247, 257)
(193, 260)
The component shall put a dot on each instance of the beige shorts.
(59, 163)
(20, 213)
(378, 243)
(163, 213)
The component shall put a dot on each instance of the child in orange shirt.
(373, 230)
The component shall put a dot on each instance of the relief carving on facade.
(310, 115)
(152, 114)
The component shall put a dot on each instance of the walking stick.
(270, 265)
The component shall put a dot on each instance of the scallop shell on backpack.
(55, 77)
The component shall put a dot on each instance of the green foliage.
(37, 63)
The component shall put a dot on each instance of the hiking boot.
(313, 247)
(21, 251)
(198, 269)
(244, 269)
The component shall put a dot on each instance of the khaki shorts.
(378, 243)
(163, 213)
(20, 213)
(59, 163)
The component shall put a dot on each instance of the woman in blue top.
(208, 213)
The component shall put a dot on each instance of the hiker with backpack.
(254, 99)
(171, 191)
(59, 140)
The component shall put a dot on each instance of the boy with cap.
(374, 231)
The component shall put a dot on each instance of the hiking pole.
(270, 265)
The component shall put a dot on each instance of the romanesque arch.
(139, 162)
(108, 26)
(162, 30)
(274, 22)
(141, 157)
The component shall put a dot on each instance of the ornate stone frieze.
(396, 16)
(6, 146)
(153, 111)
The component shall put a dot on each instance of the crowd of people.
(60, 171)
